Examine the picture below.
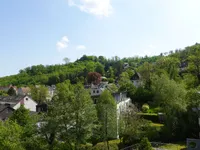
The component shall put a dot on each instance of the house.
(136, 79)
(51, 92)
(24, 91)
(96, 90)
(6, 88)
(16, 101)
(5, 112)
(183, 66)
(125, 65)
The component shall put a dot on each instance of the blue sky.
(45, 31)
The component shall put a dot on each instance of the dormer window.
(26, 98)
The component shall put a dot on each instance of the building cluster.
(8, 104)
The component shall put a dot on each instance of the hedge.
(150, 116)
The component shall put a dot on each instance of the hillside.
(169, 63)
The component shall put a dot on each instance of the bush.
(150, 116)
(102, 146)
(111, 80)
(145, 108)
(145, 144)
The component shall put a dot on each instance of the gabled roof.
(2, 107)
(136, 76)
(11, 99)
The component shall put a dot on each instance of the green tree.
(85, 116)
(131, 127)
(10, 136)
(39, 94)
(107, 111)
(70, 116)
(100, 69)
(3, 93)
(66, 60)
(21, 116)
(12, 91)
(171, 97)
(194, 65)
(145, 144)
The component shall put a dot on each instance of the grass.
(157, 125)
(179, 146)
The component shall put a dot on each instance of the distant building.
(24, 91)
(5, 112)
(136, 79)
(16, 101)
(125, 65)
(51, 92)
(96, 90)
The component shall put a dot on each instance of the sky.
(34, 32)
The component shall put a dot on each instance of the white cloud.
(81, 47)
(63, 43)
(101, 8)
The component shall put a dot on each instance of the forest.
(170, 85)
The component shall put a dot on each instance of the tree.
(131, 127)
(145, 144)
(10, 136)
(145, 71)
(66, 60)
(85, 116)
(126, 85)
(3, 93)
(70, 116)
(194, 65)
(94, 78)
(171, 97)
(107, 111)
(12, 91)
(39, 94)
(100, 68)
(21, 116)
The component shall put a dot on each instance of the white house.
(96, 90)
(16, 101)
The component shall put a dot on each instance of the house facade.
(16, 101)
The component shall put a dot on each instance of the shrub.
(150, 116)
(145, 144)
(111, 80)
(145, 108)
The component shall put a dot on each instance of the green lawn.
(174, 147)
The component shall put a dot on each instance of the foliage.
(150, 116)
(145, 108)
(10, 134)
(12, 91)
(131, 127)
(21, 116)
(39, 93)
(3, 93)
(94, 78)
(73, 113)
(145, 144)
(106, 110)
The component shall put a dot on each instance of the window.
(26, 98)
(93, 91)
(97, 91)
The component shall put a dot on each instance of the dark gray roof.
(11, 99)
(2, 107)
